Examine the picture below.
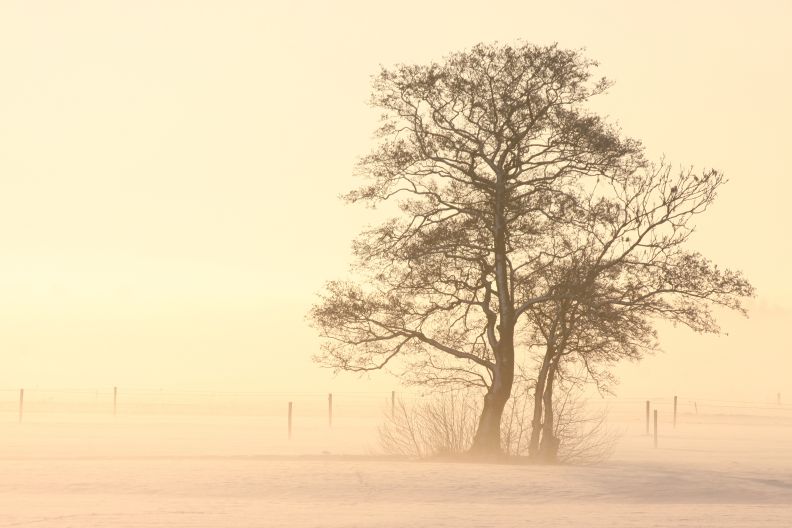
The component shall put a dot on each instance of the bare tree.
(628, 269)
(481, 153)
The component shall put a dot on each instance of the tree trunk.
(487, 441)
(548, 450)
(536, 422)
(488, 435)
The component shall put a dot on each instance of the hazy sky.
(169, 174)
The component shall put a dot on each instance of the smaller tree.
(627, 269)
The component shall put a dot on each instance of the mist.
(169, 194)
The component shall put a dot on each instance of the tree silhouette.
(503, 185)
(625, 267)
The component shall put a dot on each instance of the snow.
(724, 467)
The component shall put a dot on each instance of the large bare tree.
(482, 153)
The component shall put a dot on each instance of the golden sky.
(169, 174)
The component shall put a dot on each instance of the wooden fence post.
(647, 417)
(779, 398)
(115, 400)
(21, 403)
(675, 411)
(330, 409)
(393, 404)
(655, 428)
(290, 420)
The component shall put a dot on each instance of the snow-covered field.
(725, 466)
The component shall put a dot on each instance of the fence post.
(675, 411)
(330, 409)
(393, 404)
(115, 400)
(779, 398)
(655, 428)
(647, 417)
(290, 420)
(21, 403)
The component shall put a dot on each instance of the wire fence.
(41, 404)
(62, 403)
(124, 421)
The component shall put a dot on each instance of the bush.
(584, 437)
(445, 424)
(442, 425)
